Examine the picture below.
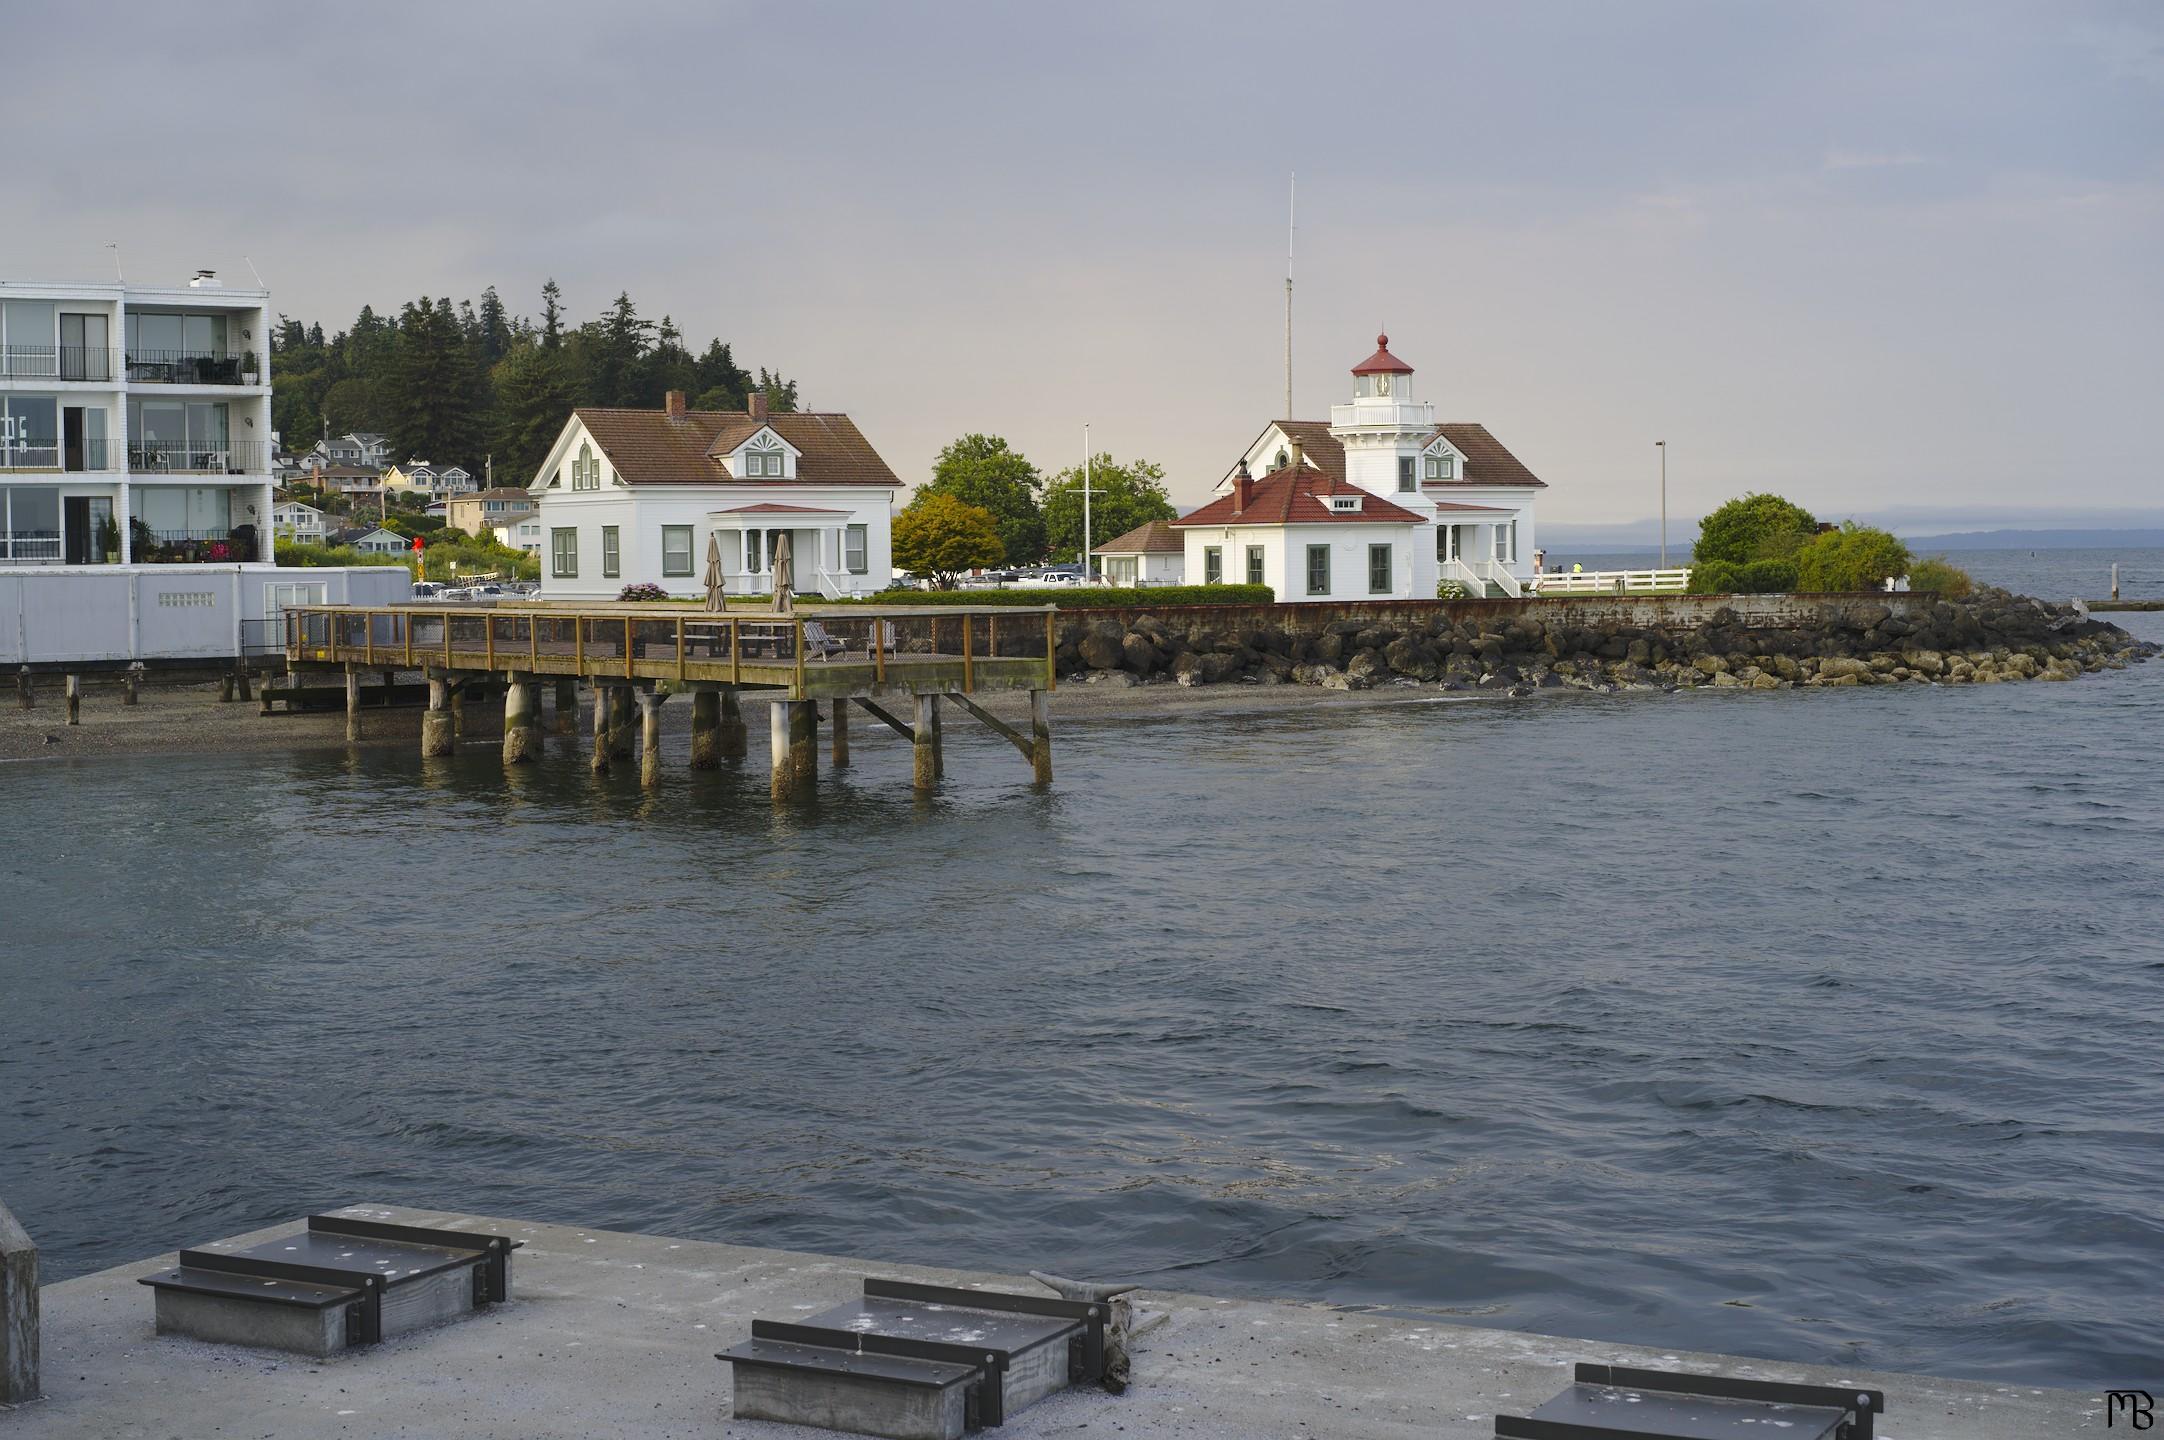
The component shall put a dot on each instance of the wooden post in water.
(650, 702)
(620, 722)
(1040, 735)
(735, 734)
(75, 699)
(601, 729)
(353, 702)
(925, 751)
(2114, 579)
(793, 734)
(458, 710)
(436, 723)
(521, 720)
(131, 685)
(23, 694)
(839, 711)
(240, 682)
(225, 688)
(567, 707)
(18, 1313)
(262, 693)
(706, 729)
(939, 740)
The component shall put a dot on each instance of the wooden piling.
(601, 730)
(262, 693)
(650, 702)
(244, 692)
(939, 740)
(436, 723)
(838, 711)
(735, 734)
(458, 708)
(567, 707)
(1040, 735)
(706, 729)
(521, 721)
(75, 699)
(620, 720)
(353, 702)
(793, 735)
(19, 1318)
(925, 749)
(23, 693)
(225, 688)
(131, 685)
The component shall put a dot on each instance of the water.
(1807, 1025)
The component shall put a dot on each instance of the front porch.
(826, 553)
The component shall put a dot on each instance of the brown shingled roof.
(1154, 538)
(652, 447)
(1486, 461)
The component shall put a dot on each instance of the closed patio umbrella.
(714, 600)
(784, 572)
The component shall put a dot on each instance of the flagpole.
(1086, 567)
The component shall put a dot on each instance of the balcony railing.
(25, 547)
(240, 457)
(193, 367)
(58, 362)
(192, 547)
(62, 455)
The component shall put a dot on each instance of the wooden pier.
(633, 658)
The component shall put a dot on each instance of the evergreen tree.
(433, 389)
(720, 382)
(535, 394)
(552, 314)
(780, 393)
(495, 327)
(615, 344)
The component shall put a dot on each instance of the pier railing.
(861, 650)
(1613, 582)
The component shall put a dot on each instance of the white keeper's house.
(1383, 502)
(630, 496)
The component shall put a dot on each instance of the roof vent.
(204, 280)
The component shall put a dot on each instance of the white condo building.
(1383, 502)
(136, 504)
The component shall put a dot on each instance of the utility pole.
(1662, 446)
(1291, 196)
(1087, 569)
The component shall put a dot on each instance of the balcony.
(192, 547)
(242, 457)
(29, 547)
(63, 457)
(195, 367)
(59, 362)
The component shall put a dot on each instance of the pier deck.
(615, 1334)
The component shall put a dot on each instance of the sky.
(1875, 256)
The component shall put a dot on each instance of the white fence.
(56, 614)
(1612, 582)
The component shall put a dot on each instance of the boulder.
(1366, 667)
(1327, 648)
(1141, 656)
(1100, 651)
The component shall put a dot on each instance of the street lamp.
(1662, 446)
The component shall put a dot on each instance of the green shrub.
(1716, 577)
(1854, 557)
(1093, 597)
(1754, 527)
(1766, 577)
(1938, 574)
(292, 552)
(1450, 590)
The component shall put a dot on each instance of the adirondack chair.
(818, 644)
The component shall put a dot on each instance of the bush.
(1938, 574)
(1094, 597)
(1754, 527)
(1854, 557)
(1716, 577)
(1450, 590)
(644, 590)
(1766, 577)
(292, 552)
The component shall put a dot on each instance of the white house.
(380, 541)
(365, 448)
(438, 482)
(631, 496)
(1383, 502)
(522, 533)
(295, 520)
(1151, 554)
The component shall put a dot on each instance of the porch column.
(706, 729)
(925, 750)
(436, 722)
(650, 702)
(839, 711)
(735, 735)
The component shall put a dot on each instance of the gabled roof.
(1154, 538)
(1486, 461)
(1299, 497)
(653, 447)
(501, 492)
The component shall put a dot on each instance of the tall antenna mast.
(1291, 182)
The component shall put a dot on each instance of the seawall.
(1601, 642)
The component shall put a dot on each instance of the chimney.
(673, 404)
(1299, 459)
(204, 280)
(758, 405)
(1243, 489)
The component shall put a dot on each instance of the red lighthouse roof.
(1382, 362)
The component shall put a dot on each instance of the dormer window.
(585, 470)
(765, 463)
(1344, 504)
(1440, 467)
(1282, 459)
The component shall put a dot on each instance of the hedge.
(1095, 597)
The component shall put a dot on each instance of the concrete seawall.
(614, 1334)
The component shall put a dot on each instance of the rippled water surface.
(1810, 1025)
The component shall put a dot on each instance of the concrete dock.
(615, 1334)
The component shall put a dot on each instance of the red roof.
(770, 508)
(1285, 498)
(1486, 461)
(1382, 362)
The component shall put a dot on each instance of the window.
(611, 556)
(1318, 569)
(765, 463)
(1378, 569)
(1446, 542)
(856, 550)
(586, 470)
(1284, 458)
(1254, 565)
(1345, 504)
(753, 561)
(1407, 481)
(1121, 569)
(676, 549)
(282, 594)
(1441, 467)
(564, 553)
(1506, 542)
(1213, 564)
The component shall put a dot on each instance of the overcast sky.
(1868, 254)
